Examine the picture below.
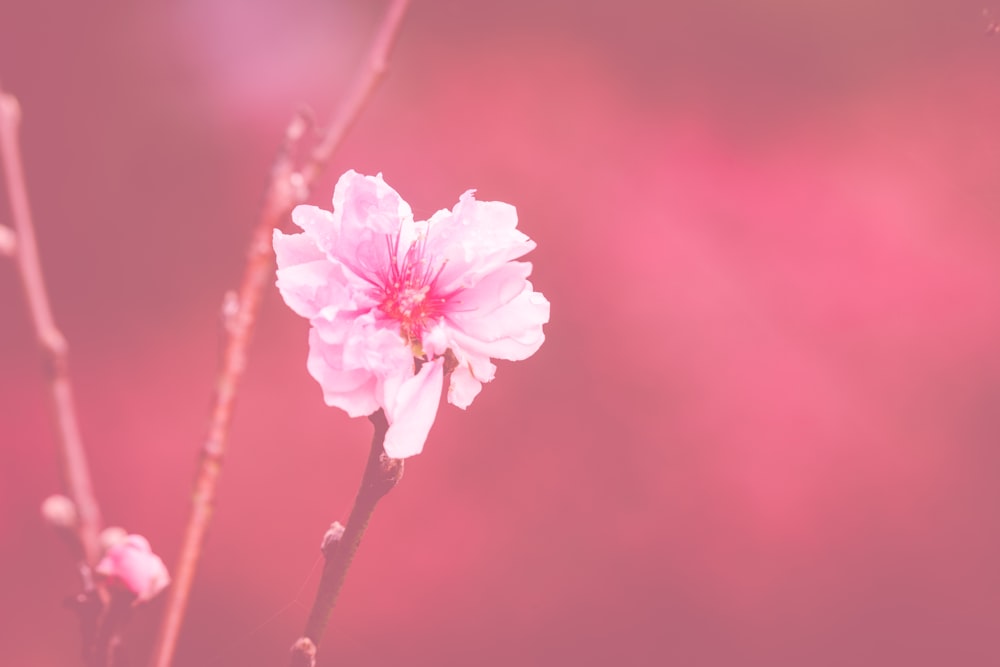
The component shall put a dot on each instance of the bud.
(111, 536)
(130, 565)
(59, 511)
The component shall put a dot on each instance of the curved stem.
(72, 457)
(381, 476)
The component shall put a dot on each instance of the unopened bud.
(59, 511)
(112, 536)
(130, 565)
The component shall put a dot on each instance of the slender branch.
(287, 188)
(375, 68)
(113, 622)
(55, 352)
(381, 476)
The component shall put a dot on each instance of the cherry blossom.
(129, 564)
(395, 304)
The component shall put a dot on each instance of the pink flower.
(131, 565)
(390, 300)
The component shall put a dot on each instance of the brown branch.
(381, 476)
(287, 188)
(72, 458)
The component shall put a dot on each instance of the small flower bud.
(59, 511)
(130, 565)
(111, 536)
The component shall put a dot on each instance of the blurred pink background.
(763, 429)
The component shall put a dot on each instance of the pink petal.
(412, 410)
(367, 202)
(350, 389)
(463, 387)
(132, 565)
(366, 213)
(501, 315)
(317, 224)
(468, 377)
(475, 239)
(357, 361)
(307, 287)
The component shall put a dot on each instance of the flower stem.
(72, 457)
(381, 475)
(117, 614)
(288, 186)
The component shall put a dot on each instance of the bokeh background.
(763, 429)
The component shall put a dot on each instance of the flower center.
(408, 291)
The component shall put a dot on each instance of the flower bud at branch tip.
(59, 511)
(131, 566)
(111, 537)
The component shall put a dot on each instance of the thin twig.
(72, 458)
(381, 476)
(287, 188)
(109, 637)
(361, 90)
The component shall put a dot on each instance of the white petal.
(413, 410)
(463, 388)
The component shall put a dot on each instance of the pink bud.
(131, 565)
(59, 511)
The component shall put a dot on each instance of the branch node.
(230, 311)
(331, 538)
(298, 186)
(303, 653)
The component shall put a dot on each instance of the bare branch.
(288, 187)
(340, 543)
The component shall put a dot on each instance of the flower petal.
(351, 389)
(131, 565)
(367, 214)
(475, 239)
(412, 410)
(307, 280)
(501, 314)
(465, 385)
